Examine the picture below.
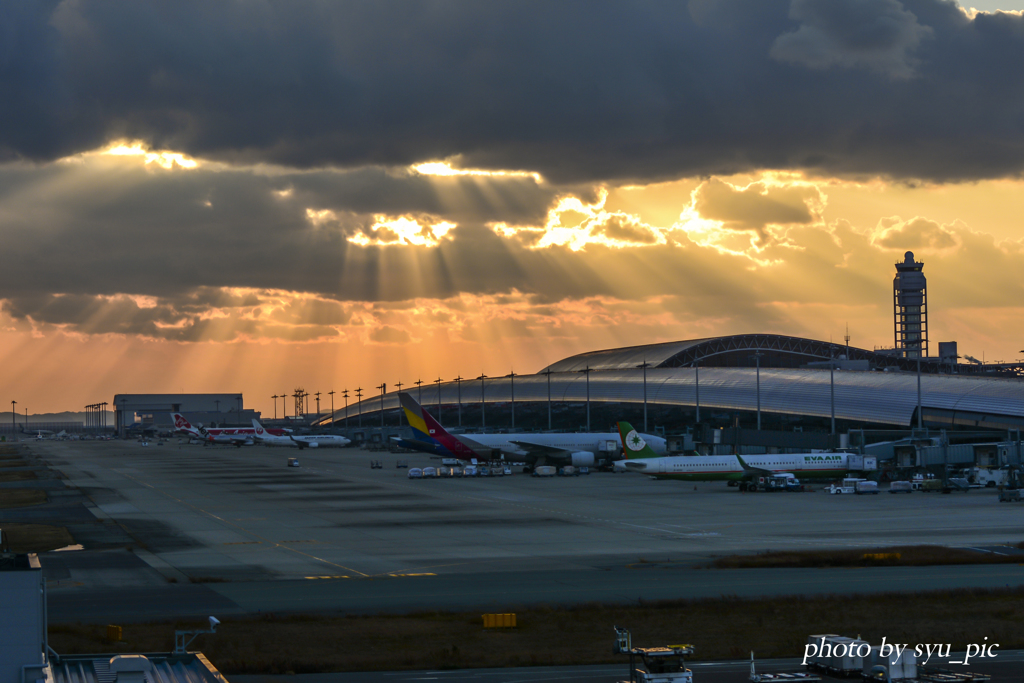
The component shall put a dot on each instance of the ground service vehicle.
(848, 485)
(836, 655)
(654, 664)
(544, 471)
(865, 487)
(293, 462)
(415, 473)
(900, 487)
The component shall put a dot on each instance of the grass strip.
(724, 628)
(18, 476)
(901, 556)
(19, 498)
(36, 538)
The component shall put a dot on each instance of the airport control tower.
(910, 308)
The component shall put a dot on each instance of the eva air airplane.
(751, 468)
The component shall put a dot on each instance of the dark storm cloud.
(105, 226)
(575, 90)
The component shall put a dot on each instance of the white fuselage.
(596, 443)
(320, 441)
(726, 467)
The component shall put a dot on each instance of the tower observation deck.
(910, 308)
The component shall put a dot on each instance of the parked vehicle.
(544, 471)
(293, 462)
(415, 473)
(430, 473)
(900, 487)
(865, 487)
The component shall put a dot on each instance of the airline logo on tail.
(633, 443)
(426, 428)
(180, 422)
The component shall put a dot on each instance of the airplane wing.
(540, 449)
(749, 471)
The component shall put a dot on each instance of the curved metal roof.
(735, 350)
(869, 397)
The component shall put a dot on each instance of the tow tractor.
(656, 664)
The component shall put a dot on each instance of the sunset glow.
(328, 210)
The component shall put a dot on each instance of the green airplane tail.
(633, 444)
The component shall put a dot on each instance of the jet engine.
(313, 444)
(583, 459)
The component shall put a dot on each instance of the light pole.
(512, 379)
(317, 394)
(587, 371)
(419, 385)
(696, 384)
(832, 385)
(548, 373)
(399, 385)
(483, 415)
(359, 399)
(757, 360)
(645, 365)
(920, 417)
(284, 406)
(331, 394)
(438, 383)
(458, 386)
(345, 395)
(383, 387)
(14, 424)
(275, 406)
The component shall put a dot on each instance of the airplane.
(303, 441)
(234, 436)
(580, 449)
(746, 470)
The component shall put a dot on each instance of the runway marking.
(238, 526)
(243, 543)
(420, 574)
(314, 578)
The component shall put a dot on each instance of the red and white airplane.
(235, 436)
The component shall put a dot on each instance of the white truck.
(985, 477)
(854, 485)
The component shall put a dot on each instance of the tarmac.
(181, 531)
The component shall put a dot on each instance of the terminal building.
(739, 382)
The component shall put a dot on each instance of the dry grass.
(908, 556)
(19, 498)
(36, 538)
(17, 476)
(12, 462)
(720, 629)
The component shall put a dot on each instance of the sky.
(259, 195)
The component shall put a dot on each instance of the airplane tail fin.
(180, 422)
(426, 428)
(258, 431)
(633, 444)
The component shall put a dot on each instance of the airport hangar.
(720, 378)
(154, 410)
